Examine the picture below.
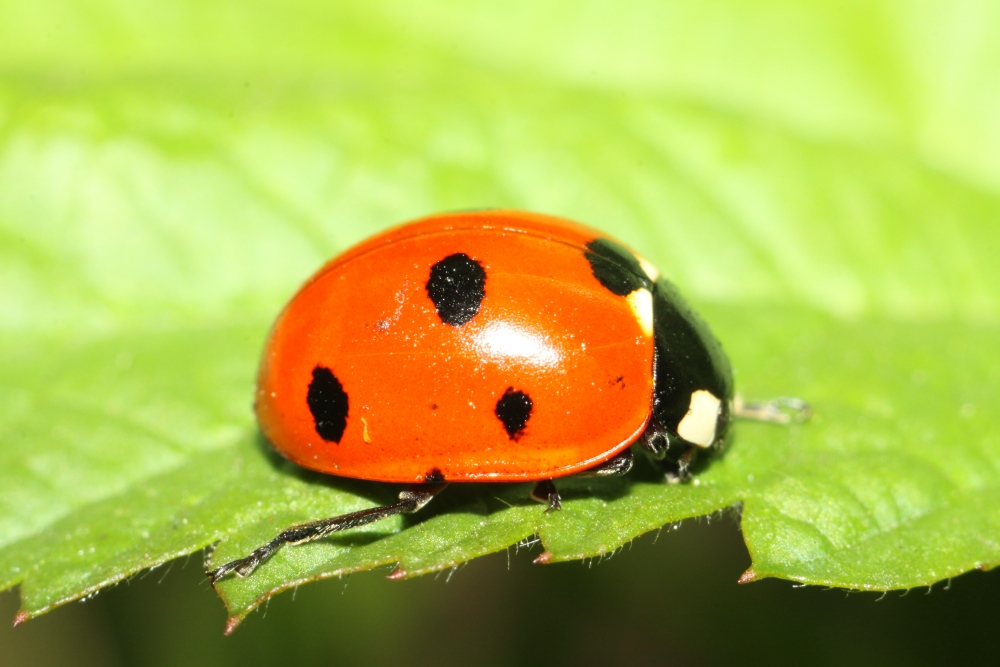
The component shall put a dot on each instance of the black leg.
(545, 492)
(410, 501)
(657, 440)
(673, 455)
(619, 465)
(678, 470)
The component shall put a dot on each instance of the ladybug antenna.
(782, 410)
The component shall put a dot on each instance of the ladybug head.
(692, 383)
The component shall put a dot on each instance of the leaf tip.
(231, 624)
(542, 558)
(749, 576)
(20, 618)
(397, 574)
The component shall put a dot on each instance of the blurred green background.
(190, 162)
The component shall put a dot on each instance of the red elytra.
(485, 346)
(421, 395)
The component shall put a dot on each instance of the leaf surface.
(820, 180)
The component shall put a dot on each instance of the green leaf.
(821, 180)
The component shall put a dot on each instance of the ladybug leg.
(619, 465)
(670, 453)
(410, 501)
(678, 470)
(545, 492)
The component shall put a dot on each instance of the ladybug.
(487, 346)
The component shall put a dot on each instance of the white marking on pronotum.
(641, 301)
(651, 271)
(698, 425)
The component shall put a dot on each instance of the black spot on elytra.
(513, 411)
(456, 287)
(615, 267)
(328, 404)
(434, 476)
